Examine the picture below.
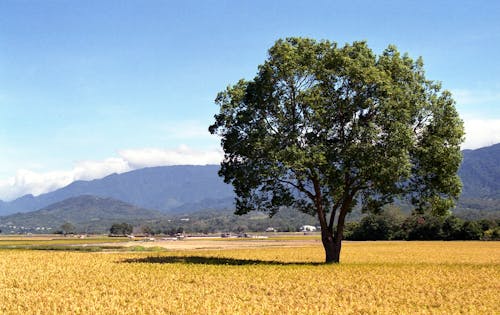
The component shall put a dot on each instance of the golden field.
(373, 278)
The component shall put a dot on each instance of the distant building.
(308, 228)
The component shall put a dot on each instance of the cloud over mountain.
(481, 132)
(30, 182)
(139, 158)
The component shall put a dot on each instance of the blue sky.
(88, 88)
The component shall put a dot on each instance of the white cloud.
(480, 111)
(28, 182)
(481, 133)
(87, 170)
(36, 183)
(139, 158)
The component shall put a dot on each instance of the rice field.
(373, 278)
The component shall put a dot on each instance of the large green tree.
(322, 128)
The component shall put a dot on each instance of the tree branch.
(270, 125)
(298, 186)
(343, 212)
(346, 198)
(333, 214)
(319, 205)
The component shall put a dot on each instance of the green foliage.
(146, 249)
(121, 229)
(471, 231)
(386, 226)
(67, 228)
(492, 234)
(147, 230)
(203, 222)
(383, 226)
(451, 228)
(322, 127)
(422, 227)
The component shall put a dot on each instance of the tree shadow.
(207, 260)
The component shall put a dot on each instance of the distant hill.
(480, 173)
(96, 215)
(164, 188)
(86, 213)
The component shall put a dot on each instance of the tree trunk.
(332, 247)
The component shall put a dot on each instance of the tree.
(146, 229)
(67, 228)
(121, 229)
(383, 226)
(471, 231)
(323, 128)
(492, 234)
(422, 227)
(451, 228)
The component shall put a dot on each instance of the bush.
(471, 230)
(422, 227)
(451, 228)
(491, 234)
(383, 226)
(121, 229)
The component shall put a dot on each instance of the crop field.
(46, 240)
(373, 278)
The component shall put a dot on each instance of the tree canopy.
(323, 128)
(67, 228)
(121, 229)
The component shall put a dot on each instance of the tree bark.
(332, 241)
(332, 247)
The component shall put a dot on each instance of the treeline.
(221, 221)
(391, 224)
(119, 229)
(388, 226)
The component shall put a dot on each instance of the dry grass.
(374, 278)
(56, 240)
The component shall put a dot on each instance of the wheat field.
(373, 278)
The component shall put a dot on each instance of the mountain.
(175, 189)
(164, 188)
(91, 213)
(480, 173)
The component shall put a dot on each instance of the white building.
(308, 228)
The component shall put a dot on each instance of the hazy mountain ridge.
(480, 173)
(174, 189)
(163, 188)
(85, 212)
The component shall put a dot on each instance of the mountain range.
(166, 188)
(150, 193)
(480, 173)
(86, 212)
